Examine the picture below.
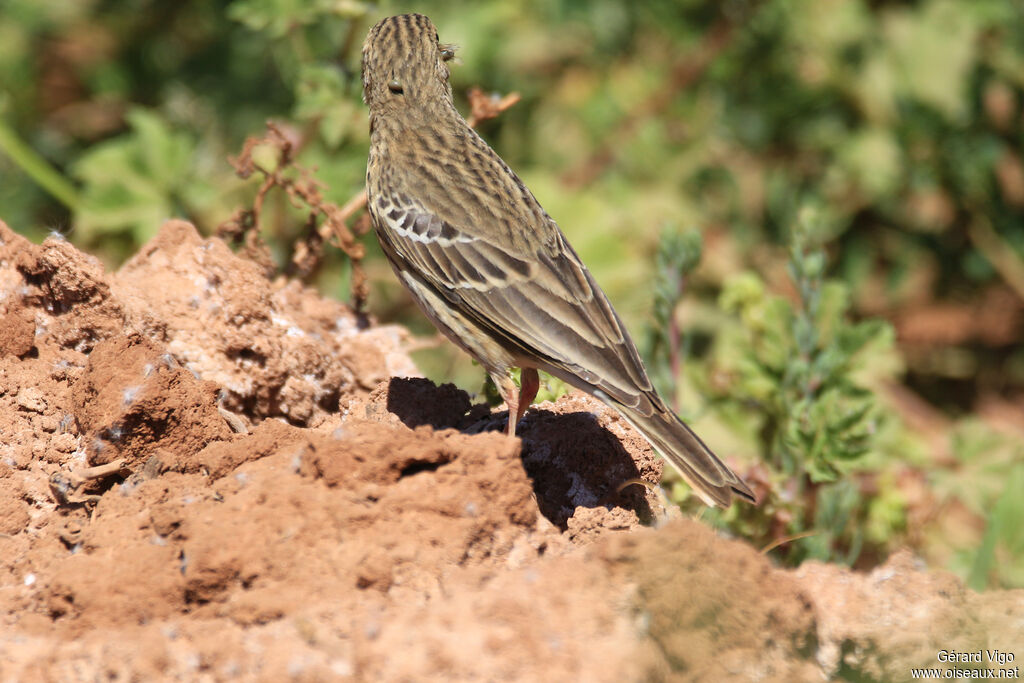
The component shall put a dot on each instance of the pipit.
(487, 264)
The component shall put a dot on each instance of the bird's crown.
(404, 63)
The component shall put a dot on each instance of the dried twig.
(788, 539)
(1000, 254)
(484, 106)
(65, 485)
(303, 191)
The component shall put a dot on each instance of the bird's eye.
(447, 53)
(395, 86)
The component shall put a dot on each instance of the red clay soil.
(209, 475)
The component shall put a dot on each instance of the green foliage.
(986, 478)
(678, 255)
(792, 366)
(135, 181)
(797, 362)
(279, 18)
(1000, 558)
(193, 82)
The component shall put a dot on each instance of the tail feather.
(709, 477)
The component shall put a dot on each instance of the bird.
(487, 264)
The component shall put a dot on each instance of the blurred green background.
(811, 214)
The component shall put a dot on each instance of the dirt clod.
(231, 479)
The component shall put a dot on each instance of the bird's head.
(405, 66)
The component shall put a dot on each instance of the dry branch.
(305, 192)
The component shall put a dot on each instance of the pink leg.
(528, 385)
(518, 400)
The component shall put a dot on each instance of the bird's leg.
(517, 399)
(508, 391)
(529, 383)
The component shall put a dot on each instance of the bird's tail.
(709, 477)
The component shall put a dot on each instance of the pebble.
(64, 443)
(31, 399)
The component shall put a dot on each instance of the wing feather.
(538, 298)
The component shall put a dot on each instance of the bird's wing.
(477, 238)
(493, 254)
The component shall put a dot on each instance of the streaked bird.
(487, 264)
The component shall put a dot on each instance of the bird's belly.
(458, 328)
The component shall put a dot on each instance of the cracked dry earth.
(206, 474)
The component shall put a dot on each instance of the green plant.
(678, 255)
(1000, 557)
(983, 481)
(135, 181)
(791, 366)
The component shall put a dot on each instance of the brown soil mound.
(205, 474)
